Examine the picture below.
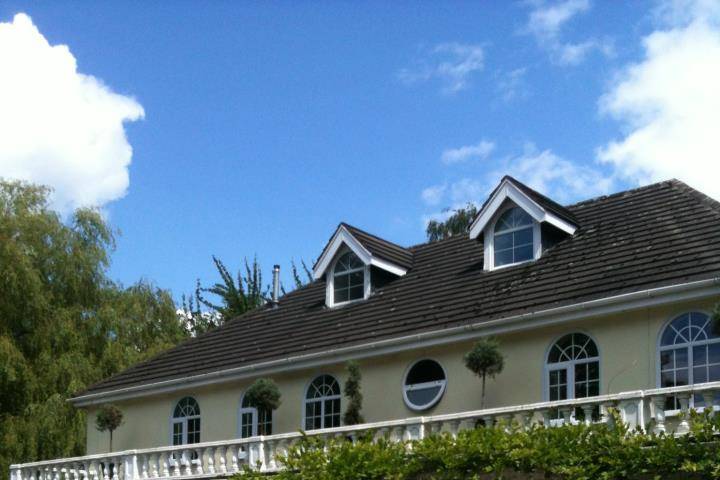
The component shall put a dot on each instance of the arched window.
(689, 353)
(186, 422)
(573, 368)
(348, 279)
(424, 384)
(254, 421)
(513, 237)
(322, 403)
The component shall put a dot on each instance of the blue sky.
(256, 127)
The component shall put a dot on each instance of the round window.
(424, 384)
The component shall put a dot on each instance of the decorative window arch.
(349, 280)
(186, 422)
(572, 368)
(689, 353)
(254, 421)
(322, 403)
(513, 238)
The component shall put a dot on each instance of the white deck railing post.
(130, 467)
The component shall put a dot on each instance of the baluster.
(381, 433)
(115, 469)
(587, 413)
(709, 400)
(210, 454)
(234, 458)
(106, 469)
(659, 407)
(488, 420)
(525, 420)
(684, 425)
(545, 414)
(153, 465)
(567, 415)
(165, 464)
(270, 454)
(221, 456)
(198, 462)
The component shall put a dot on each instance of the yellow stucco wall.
(627, 344)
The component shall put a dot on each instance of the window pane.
(523, 237)
(503, 241)
(503, 258)
(593, 389)
(714, 374)
(593, 371)
(700, 355)
(524, 253)
(423, 396)
(714, 353)
(699, 374)
(667, 360)
(667, 379)
(342, 295)
(580, 373)
(357, 278)
(681, 357)
(342, 281)
(580, 390)
(425, 371)
(355, 293)
(681, 377)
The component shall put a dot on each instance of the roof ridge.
(691, 192)
(618, 194)
(364, 232)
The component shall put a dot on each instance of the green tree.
(236, 294)
(63, 323)
(301, 279)
(354, 395)
(457, 224)
(108, 419)
(485, 360)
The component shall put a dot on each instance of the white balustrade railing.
(644, 409)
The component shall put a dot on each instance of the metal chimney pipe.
(276, 284)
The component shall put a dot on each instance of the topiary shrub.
(485, 360)
(263, 394)
(109, 418)
(354, 395)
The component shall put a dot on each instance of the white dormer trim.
(509, 191)
(343, 237)
(489, 241)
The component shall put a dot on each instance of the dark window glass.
(513, 237)
(348, 278)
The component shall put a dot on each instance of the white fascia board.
(341, 237)
(591, 309)
(509, 191)
(344, 237)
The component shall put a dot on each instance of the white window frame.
(569, 366)
(489, 239)
(255, 415)
(660, 348)
(183, 421)
(330, 283)
(417, 386)
(322, 401)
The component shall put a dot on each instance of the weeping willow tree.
(63, 323)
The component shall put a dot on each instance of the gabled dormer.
(517, 224)
(355, 262)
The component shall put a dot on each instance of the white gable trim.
(509, 191)
(344, 237)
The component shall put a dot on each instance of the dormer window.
(513, 238)
(348, 279)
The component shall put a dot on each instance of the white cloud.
(511, 85)
(481, 150)
(668, 103)
(546, 22)
(450, 63)
(59, 127)
(434, 194)
(542, 170)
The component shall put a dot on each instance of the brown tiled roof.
(659, 235)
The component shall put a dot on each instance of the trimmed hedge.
(508, 452)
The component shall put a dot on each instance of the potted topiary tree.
(354, 395)
(264, 395)
(485, 360)
(108, 418)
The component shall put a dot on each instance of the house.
(603, 303)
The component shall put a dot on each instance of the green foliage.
(457, 224)
(354, 395)
(301, 279)
(485, 360)
(108, 419)
(577, 452)
(63, 323)
(237, 295)
(263, 394)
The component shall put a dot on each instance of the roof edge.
(591, 308)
